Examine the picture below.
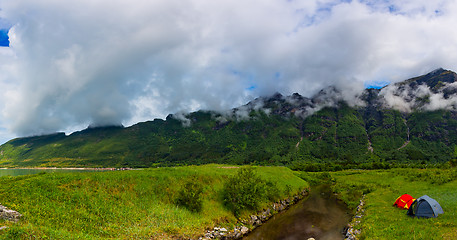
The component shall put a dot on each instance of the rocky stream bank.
(353, 230)
(246, 225)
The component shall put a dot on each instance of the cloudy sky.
(70, 64)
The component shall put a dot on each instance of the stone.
(8, 214)
(244, 230)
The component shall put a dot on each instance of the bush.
(245, 191)
(190, 195)
(453, 162)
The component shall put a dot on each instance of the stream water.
(320, 215)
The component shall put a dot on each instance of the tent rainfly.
(404, 201)
(426, 207)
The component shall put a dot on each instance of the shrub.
(453, 162)
(244, 191)
(190, 195)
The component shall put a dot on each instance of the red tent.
(404, 201)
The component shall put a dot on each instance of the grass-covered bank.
(139, 204)
(382, 187)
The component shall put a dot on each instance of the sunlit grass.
(137, 204)
(383, 221)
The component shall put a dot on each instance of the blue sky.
(376, 84)
(4, 41)
(74, 63)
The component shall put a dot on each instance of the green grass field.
(136, 204)
(141, 204)
(382, 187)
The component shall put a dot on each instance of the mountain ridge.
(398, 123)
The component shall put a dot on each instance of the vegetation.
(413, 153)
(190, 195)
(246, 190)
(382, 187)
(339, 136)
(141, 204)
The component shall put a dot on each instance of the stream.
(320, 215)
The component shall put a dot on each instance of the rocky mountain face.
(414, 121)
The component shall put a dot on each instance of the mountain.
(414, 121)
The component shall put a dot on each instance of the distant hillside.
(411, 121)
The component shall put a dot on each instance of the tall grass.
(382, 187)
(137, 204)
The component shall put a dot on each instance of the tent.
(404, 201)
(425, 206)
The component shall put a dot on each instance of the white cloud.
(108, 62)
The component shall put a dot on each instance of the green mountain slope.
(279, 130)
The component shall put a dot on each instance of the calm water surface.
(321, 216)
(17, 172)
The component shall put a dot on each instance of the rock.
(280, 207)
(244, 230)
(223, 229)
(311, 239)
(253, 220)
(4, 227)
(8, 214)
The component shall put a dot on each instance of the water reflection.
(321, 216)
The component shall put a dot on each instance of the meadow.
(136, 204)
(157, 203)
(382, 187)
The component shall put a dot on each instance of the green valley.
(207, 169)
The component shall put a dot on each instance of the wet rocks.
(8, 214)
(352, 232)
(223, 233)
